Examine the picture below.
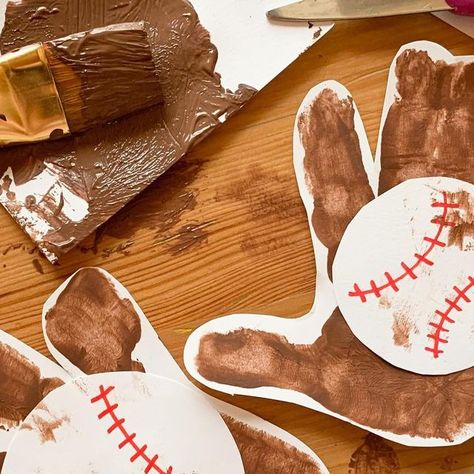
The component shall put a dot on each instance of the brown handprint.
(317, 361)
(91, 326)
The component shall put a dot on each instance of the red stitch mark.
(409, 270)
(129, 438)
(444, 317)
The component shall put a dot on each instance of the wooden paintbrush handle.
(462, 7)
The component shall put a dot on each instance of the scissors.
(323, 10)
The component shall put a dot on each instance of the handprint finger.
(427, 127)
(333, 162)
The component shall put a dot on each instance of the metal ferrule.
(30, 107)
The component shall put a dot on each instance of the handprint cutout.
(319, 361)
(121, 393)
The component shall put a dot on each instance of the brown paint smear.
(333, 165)
(375, 456)
(266, 196)
(161, 206)
(93, 327)
(344, 376)
(337, 370)
(21, 386)
(264, 454)
(402, 328)
(462, 234)
(429, 131)
(45, 428)
(109, 165)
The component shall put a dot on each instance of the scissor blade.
(323, 10)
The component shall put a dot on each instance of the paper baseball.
(123, 422)
(404, 275)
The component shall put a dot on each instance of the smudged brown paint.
(448, 463)
(462, 233)
(268, 202)
(402, 328)
(333, 166)
(263, 453)
(110, 165)
(428, 131)
(45, 428)
(375, 456)
(160, 207)
(38, 267)
(2, 460)
(343, 375)
(92, 326)
(189, 236)
(21, 386)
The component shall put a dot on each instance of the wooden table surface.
(224, 231)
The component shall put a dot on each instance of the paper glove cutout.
(316, 361)
(92, 325)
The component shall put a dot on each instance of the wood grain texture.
(237, 239)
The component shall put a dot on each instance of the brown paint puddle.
(45, 428)
(428, 131)
(108, 166)
(333, 165)
(93, 327)
(375, 456)
(343, 375)
(263, 453)
(21, 386)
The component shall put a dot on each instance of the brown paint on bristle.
(104, 74)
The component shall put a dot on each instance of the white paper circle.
(72, 430)
(404, 275)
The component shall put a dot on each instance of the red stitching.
(409, 270)
(129, 438)
(445, 318)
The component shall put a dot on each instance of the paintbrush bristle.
(104, 74)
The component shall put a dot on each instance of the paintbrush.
(63, 86)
